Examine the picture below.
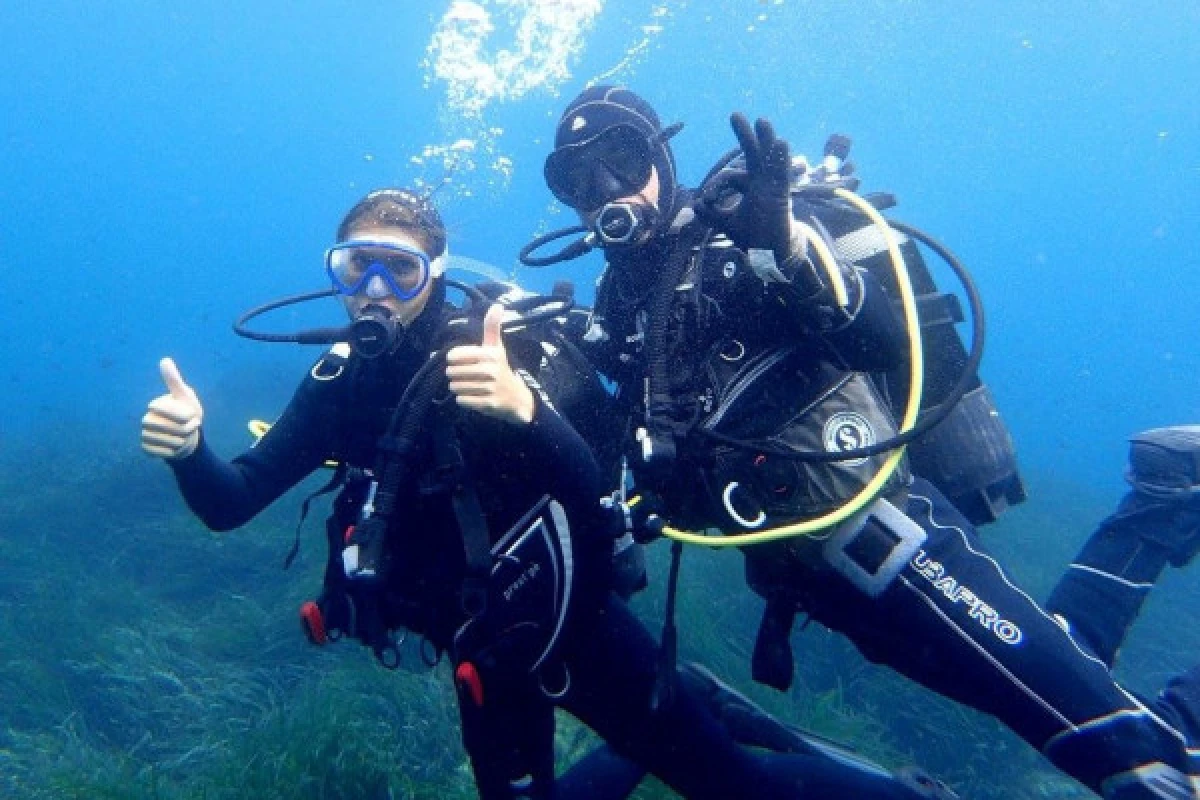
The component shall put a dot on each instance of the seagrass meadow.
(144, 657)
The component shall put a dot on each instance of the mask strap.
(667, 133)
(438, 265)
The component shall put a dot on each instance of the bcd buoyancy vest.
(517, 586)
(750, 378)
(970, 455)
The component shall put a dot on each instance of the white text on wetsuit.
(530, 572)
(977, 609)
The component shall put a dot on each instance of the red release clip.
(313, 622)
(468, 681)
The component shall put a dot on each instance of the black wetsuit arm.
(226, 495)
(866, 335)
(874, 339)
(556, 453)
(548, 456)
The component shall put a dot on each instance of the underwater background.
(165, 166)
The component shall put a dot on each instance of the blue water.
(163, 166)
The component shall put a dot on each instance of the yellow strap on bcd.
(258, 428)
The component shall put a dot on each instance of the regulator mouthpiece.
(373, 332)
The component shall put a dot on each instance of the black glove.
(752, 205)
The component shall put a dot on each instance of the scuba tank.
(960, 443)
(970, 454)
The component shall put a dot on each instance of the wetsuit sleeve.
(873, 339)
(556, 453)
(865, 333)
(226, 495)
(559, 456)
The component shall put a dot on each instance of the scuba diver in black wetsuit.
(469, 513)
(740, 333)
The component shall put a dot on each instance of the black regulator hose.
(575, 249)
(556, 306)
(315, 336)
(934, 416)
(404, 429)
(660, 402)
(470, 291)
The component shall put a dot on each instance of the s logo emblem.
(847, 430)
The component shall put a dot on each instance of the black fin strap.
(668, 657)
(339, 476)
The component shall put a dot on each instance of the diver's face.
(380, 293)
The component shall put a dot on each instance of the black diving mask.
(614, 163)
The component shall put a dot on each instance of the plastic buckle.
(871, 548)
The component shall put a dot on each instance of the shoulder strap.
(335, 480)
(450, 471)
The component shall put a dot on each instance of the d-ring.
(738, 354)
(557, 694)
(727, 498)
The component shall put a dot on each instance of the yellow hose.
(912, 408)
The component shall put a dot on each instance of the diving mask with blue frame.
(376, 268)
(373, 329)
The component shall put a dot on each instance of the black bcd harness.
(514, 593)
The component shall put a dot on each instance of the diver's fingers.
(492, 335)
(776, 153)
(167, 439)
(171, 408)
(173, 380)
(156, 423)
(486, 404)
(163, 445)
(746, 139)
(726, 182)
(472, 388)
(475, 354)
(475, 371)
(765, 133)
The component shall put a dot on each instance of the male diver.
(469, 513)
(745, 342)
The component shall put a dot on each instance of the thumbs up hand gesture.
(481, 379)
(171, 426)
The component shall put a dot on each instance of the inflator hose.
(916, 384)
